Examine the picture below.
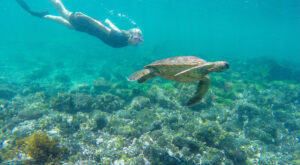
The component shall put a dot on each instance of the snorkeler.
(111, 35)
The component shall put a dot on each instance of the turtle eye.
(227, 66)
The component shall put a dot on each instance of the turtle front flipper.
(204, 68)
(202, 89)
(141, 76)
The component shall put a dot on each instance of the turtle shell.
(167, 68)
(180, 60)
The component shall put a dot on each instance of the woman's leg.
(61, 9)
(60, 20)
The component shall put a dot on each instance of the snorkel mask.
(137, 40)
(136, 36)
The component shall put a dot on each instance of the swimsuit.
(84, 23)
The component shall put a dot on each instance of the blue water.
(229, 29)
(259, 38)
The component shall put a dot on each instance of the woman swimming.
(111, 35)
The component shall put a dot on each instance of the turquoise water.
(238, 29)
(56, 80)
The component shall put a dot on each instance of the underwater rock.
(72, 103)
(159, 96)
(156, 125)
(233, 148)
(267, 158)
(38, 73)
(6, 92)
(210, 132)
(24, 128)
(283, 116)
(31, 114)
(124, 91)
(82, 162)
(32, 88)
(101, 85)
(156, 134)
(163, 141)
(278, 72)
(210, 115)
(247, 111)
(140, 102)
(5, 144)
(270, 69)
(181, 142)
(67, 126)
(125, 114)
(173, 122)
(296, 75)
(129, 131)
(10, 124)
(82, 102)
(81, 88)
(264, 130)
(212, 156)
(3, 104)
(62, 78)
(101, 121)
(159, 156)
(63, 102)
(108, 103)
(293, 125)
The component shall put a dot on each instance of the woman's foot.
(24, 5)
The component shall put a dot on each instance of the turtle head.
(221, 66)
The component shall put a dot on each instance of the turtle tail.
(141, 76)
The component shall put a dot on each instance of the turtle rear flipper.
(202, 89)
(141, 76)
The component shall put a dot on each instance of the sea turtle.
(182, 69)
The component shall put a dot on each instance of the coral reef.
(108, 102)
(7, 92)
(101, 121)
(72, 103)
(40, 148)
(101, 85)
(249, 116)
(139, 103)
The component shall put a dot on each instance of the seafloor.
(62, 113)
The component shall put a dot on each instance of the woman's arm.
(111, 25)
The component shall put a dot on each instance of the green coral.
(101, 121)
(181, 142)
(40, 148)
(210, 132)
